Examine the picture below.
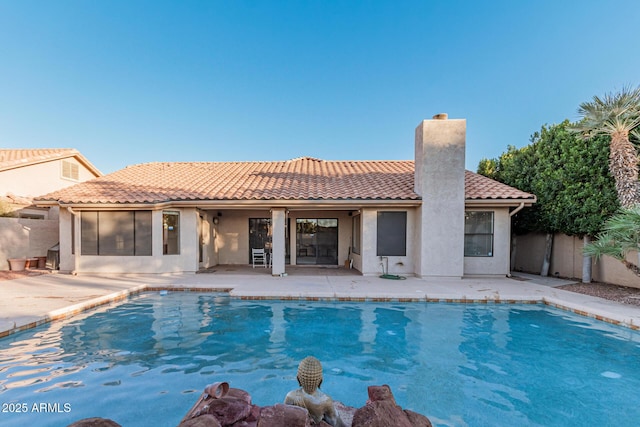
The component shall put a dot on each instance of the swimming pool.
(147, 360)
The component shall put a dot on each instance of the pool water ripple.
(145, 362)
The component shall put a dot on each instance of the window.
(115, 233)
(70, 170)
(478, 234)
(355, 234)
(392, 234)
(170, 233)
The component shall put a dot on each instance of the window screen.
(478, 234)
(115, 233)
(392, 234)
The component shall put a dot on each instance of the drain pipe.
(512, 255)
(74, 215)
(516, 210)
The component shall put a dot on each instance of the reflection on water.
(461, 365)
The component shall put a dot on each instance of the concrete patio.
(32, 301)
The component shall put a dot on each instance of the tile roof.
(297, 179)
(16, 158)
(479, 187)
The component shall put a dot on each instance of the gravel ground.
(617, 293)
(607, 291)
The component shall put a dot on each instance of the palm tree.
(616, 115)
(620, 236)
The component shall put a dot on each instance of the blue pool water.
(146, 361)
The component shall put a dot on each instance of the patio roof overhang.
(243, 204)
(499, 203)
(284, 204)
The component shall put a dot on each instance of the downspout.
(74, 215)
(512, 254)
(516, 210)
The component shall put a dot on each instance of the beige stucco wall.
(368, 262)
(186, 261)
(25, 238)
(232, 241)
(439, 180)
(566, 260)
(39, 179)
(498, 264)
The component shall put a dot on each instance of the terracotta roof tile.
(479, 187)
(297, 179)
(16, 158)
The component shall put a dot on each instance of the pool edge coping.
(84, 306)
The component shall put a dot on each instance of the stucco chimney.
(439, 180)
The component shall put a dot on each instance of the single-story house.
(422, 217)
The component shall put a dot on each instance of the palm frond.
(615, 112)
(620, 235)
(604, 245)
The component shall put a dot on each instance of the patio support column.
(278, 221)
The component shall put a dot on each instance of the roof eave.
(241, 204)
(82, 159)
(511, 202)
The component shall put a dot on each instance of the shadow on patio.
(291, 270)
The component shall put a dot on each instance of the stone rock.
(345, 412)
(382, 411)
(95, 422)
(239, 394)
(229, 410)
(417, 420)
(281, 415)
(205, 420)
(251, 420)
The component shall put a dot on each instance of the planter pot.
(17, 264)
(42, 262)
(32, 263)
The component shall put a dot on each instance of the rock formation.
(221, 406)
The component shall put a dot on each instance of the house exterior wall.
(26, 238)
(498, 264)
(566, 260)
(369, 263)
(232, 241)
(184, 262)
(41, 178)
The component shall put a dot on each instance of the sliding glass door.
(316, 241)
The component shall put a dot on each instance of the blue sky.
(130, 82)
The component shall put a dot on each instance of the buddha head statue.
(310, 374)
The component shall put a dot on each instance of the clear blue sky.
(131, 81)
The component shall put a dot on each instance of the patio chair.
(259, 257)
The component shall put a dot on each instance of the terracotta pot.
(17, 264)
(42, 262)
(32, 263)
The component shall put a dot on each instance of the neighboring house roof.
(303, 179)
(18, 158)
